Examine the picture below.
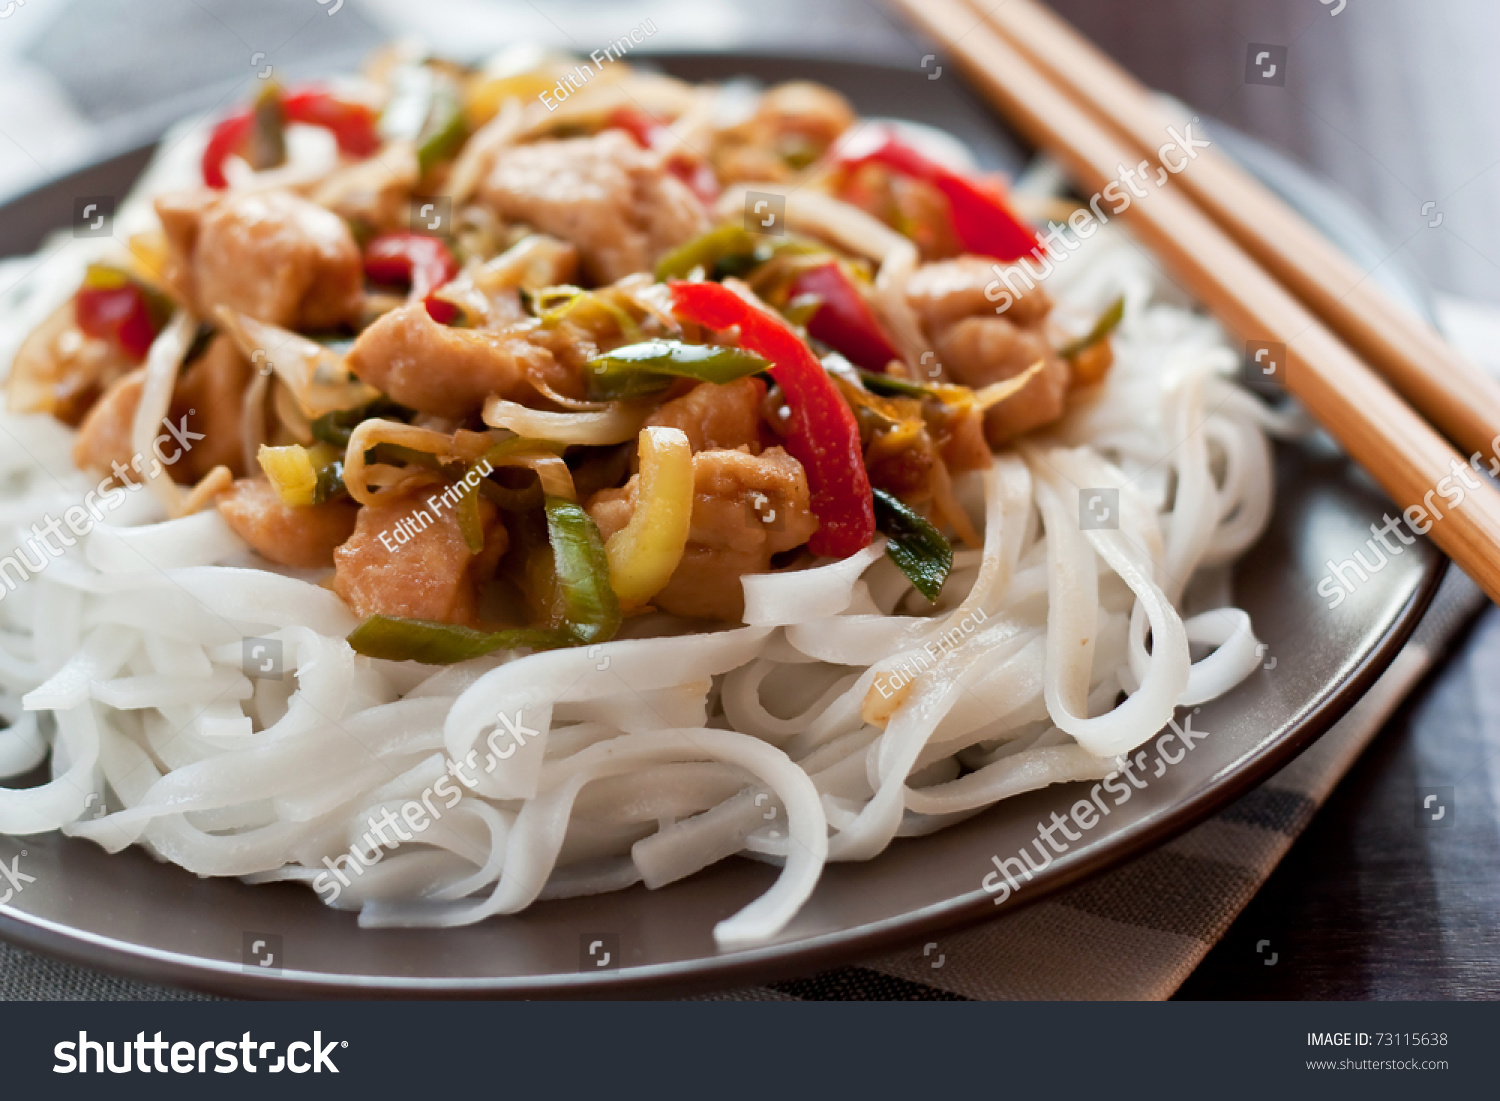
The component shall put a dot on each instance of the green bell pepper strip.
(917, 547)
(707, 251)
(590, 607)
(396, 638)
(649, 367)
(427, 110)
(330, 482)
(446, 129)
(335, 428)
(1108, 321)
(266, 147)
(466, 511)
(889, 386)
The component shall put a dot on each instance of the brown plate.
(129, 914)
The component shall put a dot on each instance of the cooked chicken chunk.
(717, 418)
(947, 290)
(206, 402)
(745, 509)
(604, 194)
(445, 371)
(408, 557)
(104, 436)
(976, 345)
(275, 256)
(980, 350)
(303, 536)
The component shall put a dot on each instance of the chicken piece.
(407, 557)
(104, 436)
(977, 344)
(745, 509)
(947, 290)
(273, 255)
(211, 395)
(449, 372)
(303, 536)
(980, 350)
(206, 402)
(717, 418)
(603, 193)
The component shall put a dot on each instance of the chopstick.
(1461, 400)
(1379, 431)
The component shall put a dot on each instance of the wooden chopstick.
(1462, 401)
(1385, 436)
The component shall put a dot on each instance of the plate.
(130, 914)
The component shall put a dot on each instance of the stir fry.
(515, 373)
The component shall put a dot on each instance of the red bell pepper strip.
(982, 218)
(352, 124)
(646, 130)
(404, 257)
(228, 138)
(111, 306)
(844, 320)
(822, 434)
(440, 309)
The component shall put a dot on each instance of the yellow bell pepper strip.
(918, 548)
(822, 433)
(645, 552)
(304, 475)
(291, 471)
(637, 369)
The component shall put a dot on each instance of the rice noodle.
(847, 711)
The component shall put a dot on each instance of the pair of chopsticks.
(1257, 265)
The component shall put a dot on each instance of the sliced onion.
(315, 375)
(616, 424)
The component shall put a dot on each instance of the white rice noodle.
(847, 711)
